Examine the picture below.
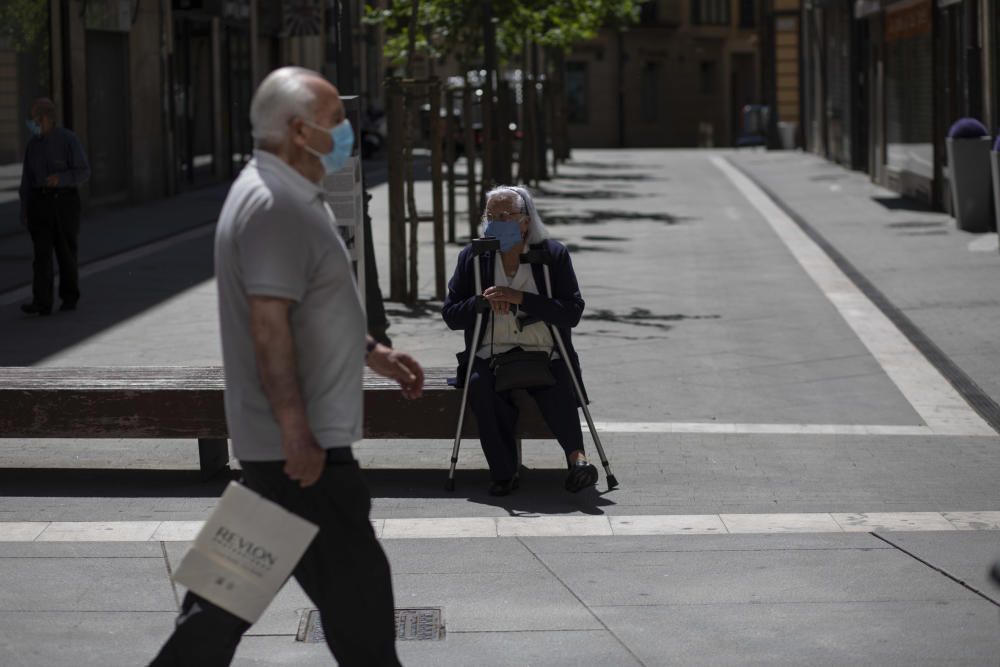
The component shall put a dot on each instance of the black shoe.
(504, 487)
(581, 475)
(32, 309)
(995, 573)
(67, 306)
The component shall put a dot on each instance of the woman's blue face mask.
(508, 232)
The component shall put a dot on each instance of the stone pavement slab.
(678, 600)
(939, 276)
(485, 649)
(85, 584)
(82, 638)
(967, 559)
(879, 634)
(750, 576)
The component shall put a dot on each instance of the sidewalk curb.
(978, 400)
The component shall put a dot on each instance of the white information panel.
(345, 197)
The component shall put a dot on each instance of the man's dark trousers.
(54, 223)
(344, 572)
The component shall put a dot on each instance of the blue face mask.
(508, 232)
(34, 128)
(343, 142)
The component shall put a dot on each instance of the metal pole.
(612, 480)
(470, 357)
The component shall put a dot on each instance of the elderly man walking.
(54, 167)
(293, 344)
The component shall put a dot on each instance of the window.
(748, 13)
(647, 12)
(576, 92)
(710, 12)
(709, 77)
(650, 92)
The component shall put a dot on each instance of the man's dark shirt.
(59, 152)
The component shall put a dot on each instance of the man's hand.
(304, 458)
(501, 298)
(52, 180)
(398, 366)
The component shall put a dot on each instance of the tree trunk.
(411, 114)
(411, 197)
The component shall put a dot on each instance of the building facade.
(885, 79)
(678, 78)
(159, 90)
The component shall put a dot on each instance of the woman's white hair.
(284, 94)
(520, 196)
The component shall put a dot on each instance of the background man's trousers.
(54, 223)
(344, 572)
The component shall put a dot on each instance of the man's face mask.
(34, 128)
(343, 142)
(508, 232)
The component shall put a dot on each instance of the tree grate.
(412, 624)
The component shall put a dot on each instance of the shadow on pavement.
(584, 164)
(903, 204)
(108, 298)
(103, 483)
(602, 216)
(608, 177)
(586, 194)
(418, 311)
(541, 490)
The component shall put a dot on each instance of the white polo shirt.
(276, 237)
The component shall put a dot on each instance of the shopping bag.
(245, 552)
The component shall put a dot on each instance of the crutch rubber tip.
(612, 482)
(449, 485)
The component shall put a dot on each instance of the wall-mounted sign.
(905, 20)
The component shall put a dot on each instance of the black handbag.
(521, 369)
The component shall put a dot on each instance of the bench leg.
(213, 455)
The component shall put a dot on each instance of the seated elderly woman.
(521, 314)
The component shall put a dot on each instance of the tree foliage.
(455, 27)
(25, 23)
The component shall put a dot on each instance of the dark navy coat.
(562, 311)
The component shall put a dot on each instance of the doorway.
(108, 115)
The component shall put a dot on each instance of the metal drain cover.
(412, 624)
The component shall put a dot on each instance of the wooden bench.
(187, 402)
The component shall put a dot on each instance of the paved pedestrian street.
(795, 383)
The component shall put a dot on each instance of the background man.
(293, 343)
(54, 167)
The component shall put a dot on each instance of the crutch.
(541, 257)
(480, 248)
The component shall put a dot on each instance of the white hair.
(520, 195)
(284, 94)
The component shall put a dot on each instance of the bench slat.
(187, 402)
